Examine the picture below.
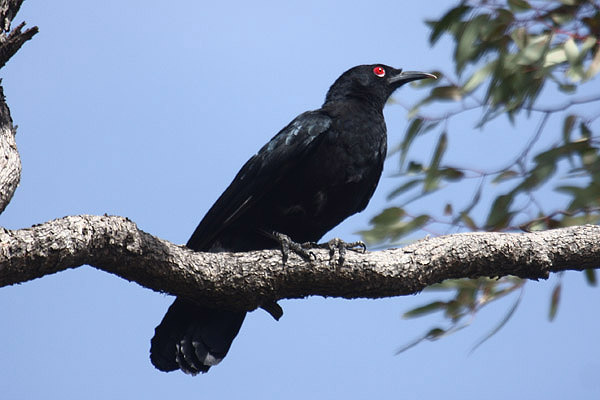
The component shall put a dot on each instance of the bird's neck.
(357, 104)
(356, 94)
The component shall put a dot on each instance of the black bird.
(317, 171)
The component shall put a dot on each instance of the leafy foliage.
(527, 60)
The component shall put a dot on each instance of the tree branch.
(10, 162)
(247, 280)
(10, 43)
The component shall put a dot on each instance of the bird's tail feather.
(193, 338)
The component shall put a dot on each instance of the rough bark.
(11, 42)
(247, 280)
(10, 162)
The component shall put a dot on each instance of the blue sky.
(135, 109)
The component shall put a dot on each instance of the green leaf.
(579, 220)
(446, 93)
(537, 176)
(519, 5)
(426, 309)
(414, 168)
(587, 45)
(450, 18)
(467, 39)
(499, 214)
(389, 226)
(504, 176)
(584, 130)
(388, 216)
(567, 88)
(411, 133)
(568, 124)
(468, 221)
(584, 197)
(554, 56)
(454, 310)
(478, 77)
(433, 176)
(411, 226)
(561, 17)
(555, 299)
(533, 52)
(594, 66)
(451, 174)
(576, 73)
(500, 24)
(435, 333)
(590, 277)
(571, 51)
(403, 188)
(503, 322)
(519, 36)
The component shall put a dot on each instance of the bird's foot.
(287, 245)
(339, 245)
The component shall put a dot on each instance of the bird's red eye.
(380, 72)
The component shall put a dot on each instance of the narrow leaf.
(388, 216)
(451, 17)
(519, 5)
(446, 93)
(478, 77)
(571, 51)
(407, 186)
(584, 130)
(499, 213)
(508, 315)
(413, 130)
(554, 56)
(466, 48)
(594, 66)
(554, 302)
(568, 127)
(468, 221)
(505, 175)
(535, 49)
(432, 177)
(426, 309)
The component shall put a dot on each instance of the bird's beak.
(408, 76)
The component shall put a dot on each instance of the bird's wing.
(263, 171)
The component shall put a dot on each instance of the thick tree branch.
(247, 280)
(10, 162)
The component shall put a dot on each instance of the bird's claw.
(287, 245)
(339, 245)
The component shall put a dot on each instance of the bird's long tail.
(193, 338)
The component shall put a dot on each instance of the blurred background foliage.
(532, 63)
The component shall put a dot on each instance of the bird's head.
(371, 83)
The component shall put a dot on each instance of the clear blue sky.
(147, 109)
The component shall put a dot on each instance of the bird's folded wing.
(262, 172)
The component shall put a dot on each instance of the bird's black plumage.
(318, 170)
